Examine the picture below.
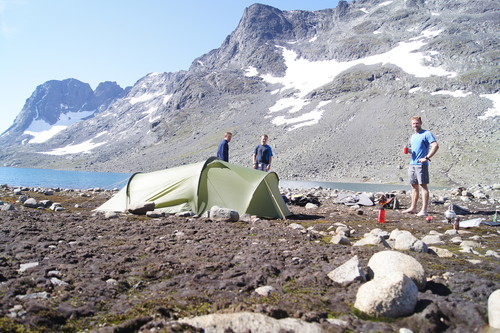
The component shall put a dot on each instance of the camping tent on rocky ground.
(200, 186)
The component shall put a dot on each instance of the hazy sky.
(110, 40)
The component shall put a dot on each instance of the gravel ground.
(133, 273)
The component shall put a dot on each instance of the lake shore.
(76, 270)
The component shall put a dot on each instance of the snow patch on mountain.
(386, 3)
(307, 119)
(84, 147)
(456, 93)
(143, 98)
(43, 131)
(251, 71)
(495, 110)
(303, 76)
(43, 136)
(494, 98)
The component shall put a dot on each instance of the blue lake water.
(107, 180)
(60, 178)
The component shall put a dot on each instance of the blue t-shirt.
(262, 153)
(223, 150)
(420, 144)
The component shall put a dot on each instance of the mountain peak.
(333, 88)
(55, 98)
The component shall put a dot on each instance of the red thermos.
(381, 215)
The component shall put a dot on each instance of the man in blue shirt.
(223, 149)
(262, 155)
(423, 147)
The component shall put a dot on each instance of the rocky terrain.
(334, 89)
(64, 268)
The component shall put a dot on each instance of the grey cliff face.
(55, 98)
(333, 88)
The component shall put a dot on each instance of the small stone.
(264, 290)
(24, 267)
(110, 215)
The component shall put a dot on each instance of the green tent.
(200, 186)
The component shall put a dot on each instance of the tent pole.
(281, 212)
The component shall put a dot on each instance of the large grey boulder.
(31, 203)
(264, 290)
(432, 240)
(110, 215)
(340, 239)
(348, 272)
(393, 295)
(224, 214)
(406, 241)
(8, 207)
(371, 239)
(45, 203)
(249, 322)
(389, 262)
(141, 208)
(494, 309)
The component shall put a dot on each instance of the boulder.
(31, 203)
(406, 241)
(141, 208)
(441, 253)
(8, 207)
(371, 240)
(311, 205)
(57, 207)
(45, 203)
(340, 239)
(154, 214)
(392, 295)
(348, 272)
(297, 226)
(494, 309)
(264, 290)
(389, 262)
(432, 240)
(250, 322)
(110, 215)
(343, 230)
(224, 214)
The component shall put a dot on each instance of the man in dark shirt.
(262, 155)
(223, 149)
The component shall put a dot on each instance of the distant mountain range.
(334, 89)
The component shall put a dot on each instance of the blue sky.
(109, 40)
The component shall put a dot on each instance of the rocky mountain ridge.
(334, 89)
(53, 99)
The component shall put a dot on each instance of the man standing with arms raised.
(423, 147)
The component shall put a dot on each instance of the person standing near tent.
(423, 147)
(223, 150)
(262, 155)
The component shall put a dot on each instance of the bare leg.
(414, 200)
(425, 200)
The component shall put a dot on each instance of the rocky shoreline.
(65, 268)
